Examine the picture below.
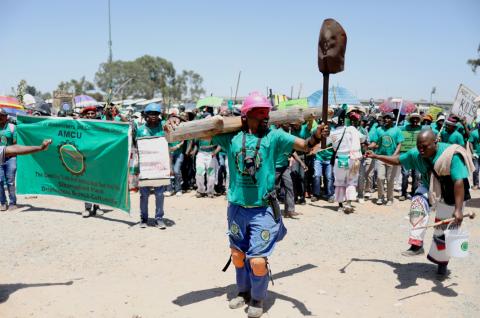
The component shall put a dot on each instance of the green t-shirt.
(243, 191)
(116, 118)
(475, 140)
(325, 155)
(412, 160)
(8, 135)
(387, 140)
(145, 131)
(303, 132)
(206, 145)
(453, 138)
(179, 149)
(410, 134)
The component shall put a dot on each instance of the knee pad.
(238, 258)
(259, 266)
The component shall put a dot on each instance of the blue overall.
(255, 232)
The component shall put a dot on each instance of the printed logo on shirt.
(72, 159)
(464, 246)
(387, 141)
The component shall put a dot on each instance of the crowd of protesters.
(337, 172)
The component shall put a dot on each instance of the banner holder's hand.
(45, 144)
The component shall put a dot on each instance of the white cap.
(441, 117)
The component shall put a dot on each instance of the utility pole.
(110, 56)
(109, 35)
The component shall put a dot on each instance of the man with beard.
(254, 218)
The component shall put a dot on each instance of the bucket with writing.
(456, 241)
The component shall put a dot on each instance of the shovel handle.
(470, 215)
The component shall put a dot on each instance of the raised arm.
(15, 150)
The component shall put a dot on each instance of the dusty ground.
(56, 264)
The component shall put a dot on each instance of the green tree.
(474, 63)
(147, 76)
(188, 86)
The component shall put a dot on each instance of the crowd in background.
(199, 165)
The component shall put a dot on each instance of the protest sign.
(154, 161)
(87, 160)
(410, 140)
(464, 105)
(434, 111)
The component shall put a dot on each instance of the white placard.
(464, 105)
(154, 161)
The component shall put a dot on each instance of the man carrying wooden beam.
(254, 219)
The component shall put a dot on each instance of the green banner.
(410, 140)
(302, 102)
(87, 160)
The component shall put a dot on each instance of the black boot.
(442, 270)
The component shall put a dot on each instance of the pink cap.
(255, 100)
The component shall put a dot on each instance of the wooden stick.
(470, 215)
(206, 128)
(203, 128)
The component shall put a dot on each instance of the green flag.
(87, 160)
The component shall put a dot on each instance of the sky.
(394, 49)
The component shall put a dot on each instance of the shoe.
(361, 201)
(380, 202)
(475, 187)
(389, 203)
(413, 252)
(255, 308)
(239, 301)
(367, 195)
(86, 213)
(94, 210)
(211, 195)
(331, 199)
(179, 194)
(301, 202)
(341, 209)
(442, 270)
(143, 224)
(3, 207)
(291, 215)
(160, 224)
(199, 195)
(167, 194)
(348, 209)
(402, 198)
(314, 198)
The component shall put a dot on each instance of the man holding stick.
(254, 219)
(445, 168)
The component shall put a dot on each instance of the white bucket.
(456, 242)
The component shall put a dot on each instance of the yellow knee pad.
(259, 266)
(238, 258)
